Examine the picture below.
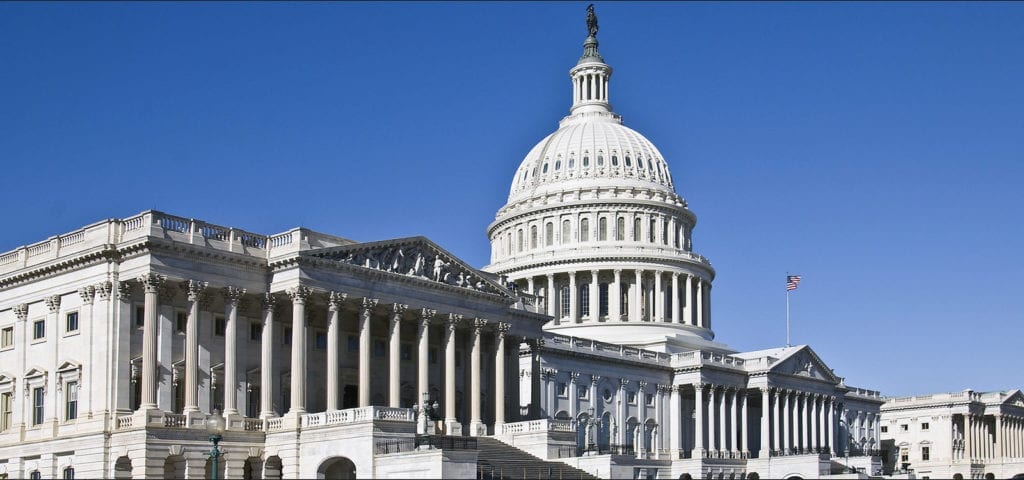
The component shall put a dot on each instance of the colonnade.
(631, 295)
(991, 436)
(300, 298)
(1010, 439)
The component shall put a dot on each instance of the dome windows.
(586, 159)
(558, 164)
(572, 162)
(629, 163)
(544, 169)
(600, 159)
(585, 230)
(602, 228)
(615, 160)
(566, 231)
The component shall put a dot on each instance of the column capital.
(573, 375)
(642, 385)
(368, 304)
(88, 293)
(478, 324)
(699, 387)
(503, 329)
(151, 282)
(53, 303)
(623, 383)
(232, 295)
(453, 321)
(617, 271)
(124, 292)
(397, 309)
(426, 316)
(594, 379)
(299, 294)
(335, 300)
(194, 289)
(268, 301)
(659, 272)
(103, 289)
(21, 311)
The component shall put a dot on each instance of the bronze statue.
(591, 20)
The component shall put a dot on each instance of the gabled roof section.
(798, 360)
(1015, 398)
(414, 257)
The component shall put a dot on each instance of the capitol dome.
(595, 233)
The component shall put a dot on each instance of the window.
(650, 232)
(926, 453)
(620, 229)
(180, 322)
(586, 160)
(602, 300)
(549, 234)
(607, 395)
(71, 401)
(602, 228)
(904, 455)
(664, 232)
(558, 165)
(924, 426)
(585, 230)
(379, 348)
(562, 389)
(629, 163)
(631, 397)
(582, 391)
(565, 301)
(904, 428)
(321, 341)
(649, 399)
(885, 429)
(585, 299)
(519, 240)
(37, 405)
(39, 329)
(35, 475)
(255, 331)
(71, 322)
(69, 473)
(600, 159)
(544, 169)
(405, 352)
(286, 339)
(140, 315)
(6, 407)
(353, 343)
(533, 236)
(572, 162)
(636, 230)
(566, 231)
(219, 326)
(7, 337)
(615, 160)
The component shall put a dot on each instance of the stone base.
(477, 429)
(452, 428)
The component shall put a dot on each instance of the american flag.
(792, 281)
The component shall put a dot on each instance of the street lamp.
(215, 427)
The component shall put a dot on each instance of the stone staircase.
(498, 461)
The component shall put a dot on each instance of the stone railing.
(695, 358)
(356, 415)
(534, 426)
(606, 349)
(863, 392)
(175, 420)
(123, 422)
(252, 424)
(273, 424)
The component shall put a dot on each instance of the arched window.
(629, 163)
(664, 232)
(602, 301)
(585, 230)
(651, 232)
(566, 232)
(600, 159)
(533, 236)
(549, 234)
(678, 232)
(584, 296)
(602, 228)
(519, 240)
(615, 160)
(620, 228)
(544, 169)
(508, 244)
(565, 301)
(636, 229)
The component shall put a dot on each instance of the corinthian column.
(394, 358)
(549, 299)
(765, 426)
(574, 315)
(194, 289)
(688, 306)
(334, 302)
(658, 308)
(267, 357)
(475, 423)
(451, 424)
(365, 313)
(298, 401)
(698, 422)
(615, 297)
(638, 296)
(699, 304)
(151, 284)
(231, 297)
(423, 357)
(499, 376)
(675, 298)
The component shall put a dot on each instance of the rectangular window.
(69, 473)
(926, 453)
(35, 475)
(180, 322)
(562, 389)
(140, 315)
(255, 331)
(631, 397)
(565, 301)
(602, 299)
(6, 407)
(71, 401)
(71, 322)
(903, 428)
(39, 329)
(904, 455)
(219, 326)
(582, 391)
(286, 339)
(321, 341)
(924, 426)
(649, 399)
(353, 343)
(885, 429)
(585, 300)
(7, 337)
(37, 405)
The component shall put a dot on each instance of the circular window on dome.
(607, 394)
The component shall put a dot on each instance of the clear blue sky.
(875, 148)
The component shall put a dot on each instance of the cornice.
(613, 260)
(98, 254)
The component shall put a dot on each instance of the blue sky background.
(875, 148)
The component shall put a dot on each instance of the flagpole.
(787, 309)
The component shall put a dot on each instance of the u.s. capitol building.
(585, 347)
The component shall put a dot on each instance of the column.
(334, 302)
(394, 355)
(530, 285)
(641, 428)
(723, 431)
(451, 424)
(194, 289)
(675, 298)
(744, 447)
(574, 400)
(675, 422)
(550, 299)
(688, 295)
(52, 406)
(766, 411)
(733, 427)
(365, 315)
(499, 376)
(832, 427)
(595, 304)
(266, 356)
(804, 417)
(615, 297)
(231, 297)
(475, 424)
(151, 284)
(573, 299)
(85, 397)
(699, 303)
(423, 350)
(698, 421)
(785, 446)
(638, 296)
(658, 309)
(298, 372)
(712, 426)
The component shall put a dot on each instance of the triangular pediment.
(803, 362)
(35, 372)
(413, 257)
(1015, 398)
(6, 377)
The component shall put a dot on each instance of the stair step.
(499, 461)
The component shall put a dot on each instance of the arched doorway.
(251, 469)
(686, 476)
(957, 476)
(582, 421)
(336, 468)
(604, 436)
(272, 468)
(990, 476)
(174, 467)
(753, 476)
(123, 467)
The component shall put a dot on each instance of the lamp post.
(425, 412)
(215, 427)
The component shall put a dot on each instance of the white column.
(659, 298)
(595, 304)
(712, 425)
(475, 424)
(266, 356)
(699, 304)
(574, 399)
(151, 284)
(831, 422)
(675, 298)
(499, 376)
(365, 315)
(298, 372)
(787, 446)
(394, 355)
(815, 416)
(698, 422)
(550, 299)
(615, 297)
(452, 426)
(194, 289)
(675, 433)
(574, 316)
(423, 359)
(804, 427)
(744, 447)
(723, 431)
(733, 427)
(688, 307)
(766, 411)
(334, 301)
(638, 296)
(777, 431)
(231, 297)
(530, 285)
